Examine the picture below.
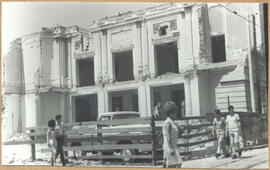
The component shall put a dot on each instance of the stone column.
(104, 55)
(189, 37)
(142, 97)
(181, 61)
(55, 65)
(188, 101)
(73, 64)
(71, 108)
(144, 43)
(63, 62)
(69, 62)
(106, 100)
(148, 100)
(97, 57)
(136, 37)
(151, 50)
(110, 68)
(195, 94)
(101, 101)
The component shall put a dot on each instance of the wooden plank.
(90, 138)
(199, 126)
(235, 94)
(195, 135)
(160, 120)
(97, 156)
(108, 147)
(142, 120)
(42, 133)
(189, 127)
(195, 143)
(111, 130)
(126, 121)
(26, 142)
(233, 99)
(229, 89)
(36, 128)
(193, 117)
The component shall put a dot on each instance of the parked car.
(121, 115)
(115, 116)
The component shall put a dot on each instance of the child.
(219, 131)
(51, 140)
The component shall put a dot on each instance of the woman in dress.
(170, 132)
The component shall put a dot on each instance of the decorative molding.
(82, 54)
(164, 40)
(172, 25)
(121, 47)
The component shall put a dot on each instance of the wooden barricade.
(125, 139)
(195, 127)
(133, 140)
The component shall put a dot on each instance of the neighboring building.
(190, 53)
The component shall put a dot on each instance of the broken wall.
(13, 77)
(46, 42)
(31, 60)
(14, 115)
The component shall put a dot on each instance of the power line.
(235, 12)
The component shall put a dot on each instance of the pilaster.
(151, 52)
(142, 97)
(145, 55)
(104, 54)
(97, 58)
(137, 55)
(188, 98)
(195, 95)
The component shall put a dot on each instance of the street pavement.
(250, 159)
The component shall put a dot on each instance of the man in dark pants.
(60, 138)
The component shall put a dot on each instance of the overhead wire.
(235, 12)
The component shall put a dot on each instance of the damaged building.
(194, 54)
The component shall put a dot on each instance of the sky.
(21, 18)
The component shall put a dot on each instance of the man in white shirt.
(233, 128)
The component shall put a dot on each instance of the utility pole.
(250, 60)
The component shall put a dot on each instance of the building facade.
(194, 54)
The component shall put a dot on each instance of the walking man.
(233, 128)
(60, 138)
(219, 131)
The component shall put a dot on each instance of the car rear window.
(105, 118)
(125, 116)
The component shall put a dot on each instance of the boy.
(219, 131)
(60, 138)
(51, 140)
(233, 127)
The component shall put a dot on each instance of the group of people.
(228, 132)
(56, 139)
(224, 128)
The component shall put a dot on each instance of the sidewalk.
(251, 159)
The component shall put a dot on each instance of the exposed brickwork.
(13, 70)
(31, 60)
(204, 34)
